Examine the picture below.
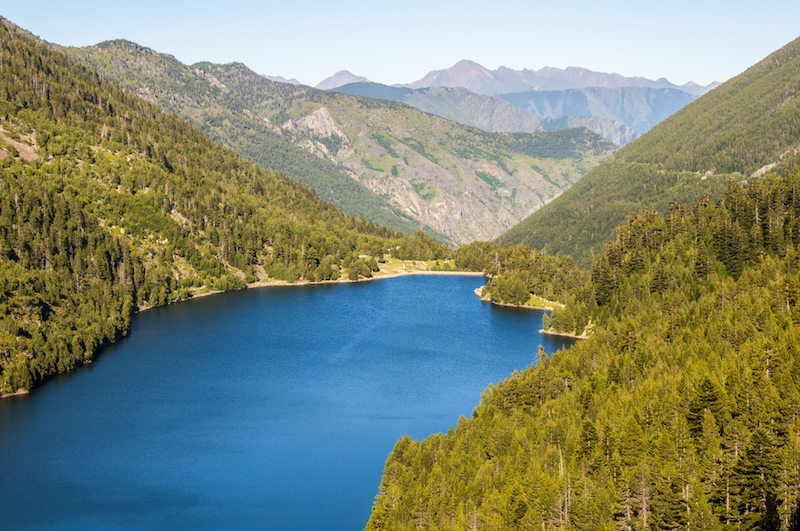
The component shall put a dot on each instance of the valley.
(132, 181)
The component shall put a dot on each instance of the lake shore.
(522, 306)
(562, 334)
(395, 272)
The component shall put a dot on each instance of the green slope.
(464, 183)
(109, 204)
(739, 129)
(681, 411)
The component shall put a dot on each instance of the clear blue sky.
(700, 41)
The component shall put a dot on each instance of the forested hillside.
(741, 128)
(462, 182)
(109, 205)
(679, 412)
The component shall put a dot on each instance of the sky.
(400, 42)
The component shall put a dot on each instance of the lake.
(270, 408)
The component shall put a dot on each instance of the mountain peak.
(343, 77)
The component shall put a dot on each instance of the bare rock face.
(464, 198)
(321, 122)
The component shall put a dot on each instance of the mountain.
(340, 78)
(639, 108)
(207, 103)
(110, 205)
(477, 78)
(281, 79)
(461, 182)
(741, 129)
(489, 113)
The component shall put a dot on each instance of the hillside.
(489, 113)
(679, 412)
(201, 100)
(740, 129)
(477, 78)
(110, 205)
(639, 108)
(462, 182)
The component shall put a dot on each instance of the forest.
(679, 412)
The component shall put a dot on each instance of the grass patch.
(493, 182)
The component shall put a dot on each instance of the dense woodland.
(109, 205)
(679, 412)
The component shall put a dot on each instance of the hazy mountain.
(282, 79)
(477, 78)
(639, 108)
(489, 113)
(743, 128)
(462, 182)
(338, 79)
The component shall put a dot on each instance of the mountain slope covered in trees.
(681, 411)
(741, 128)
(109, 204)
(465, 183)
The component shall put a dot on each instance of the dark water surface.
(272, 408)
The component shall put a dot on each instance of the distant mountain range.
(617, 107)
(489, 113)
(477, 78)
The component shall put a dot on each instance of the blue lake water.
(272, 408)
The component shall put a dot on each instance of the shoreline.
(562, 334)
(268, 284)
(284, 283)
(508, 305)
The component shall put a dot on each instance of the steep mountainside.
(680, 411)
(465, 183)
(489, 113)
(637, 107)
(477, 78)
(740, 129)
(203, 101)
(109, 204)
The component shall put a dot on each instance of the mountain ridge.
(504, 80)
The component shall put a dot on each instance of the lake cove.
(269, 408)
